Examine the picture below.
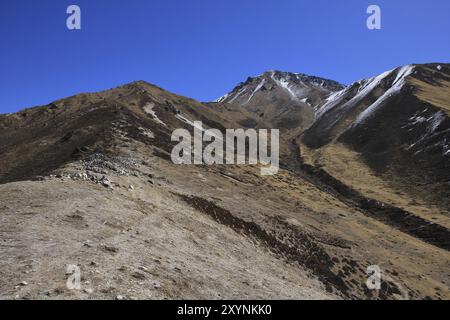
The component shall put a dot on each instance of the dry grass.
(347, 166)
(436, 95)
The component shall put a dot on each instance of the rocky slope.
(398, 125)
(88, 181)
(283, 100)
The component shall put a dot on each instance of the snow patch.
(436, 120)
(184, 119)
(395, 88)
(432, 124)
(148, 108)
(365, 88)
(222, 98)
(284, 83)
(330, 103)
(146, 132)
(305, 100)
(368, 86)
(417, 120)
(238, 94)
(256, 90)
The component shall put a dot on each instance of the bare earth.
(88, 181)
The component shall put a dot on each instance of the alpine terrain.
(87, 182)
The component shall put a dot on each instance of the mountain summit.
(297, 86)
(285, 100)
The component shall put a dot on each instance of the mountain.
(284, 100)
(398, 124)
(88, 181)
(37, 140)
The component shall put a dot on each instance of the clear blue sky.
(203, 48)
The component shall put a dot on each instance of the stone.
(87, 244)
(138, 275)
(105, 182)
(111, 248)
(123, 268)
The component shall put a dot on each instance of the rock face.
(282, 99)
(100, 186)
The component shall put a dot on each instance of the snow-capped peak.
(296, 87)
(365, 88)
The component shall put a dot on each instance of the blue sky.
(203, 48)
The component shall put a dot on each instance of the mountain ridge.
(285, 76)
(102, 192)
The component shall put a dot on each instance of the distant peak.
(298, 86)
(140, 82)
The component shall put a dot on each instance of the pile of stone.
(103, 164)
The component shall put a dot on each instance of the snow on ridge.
(330, 103)
(369, 85)
(222, 98)
(320, 83)
(365, 87)
(233, 95)
(284, 83)
(193, 124)
(397, 85)
(403, 73)
(292, 83)
(238, 94)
